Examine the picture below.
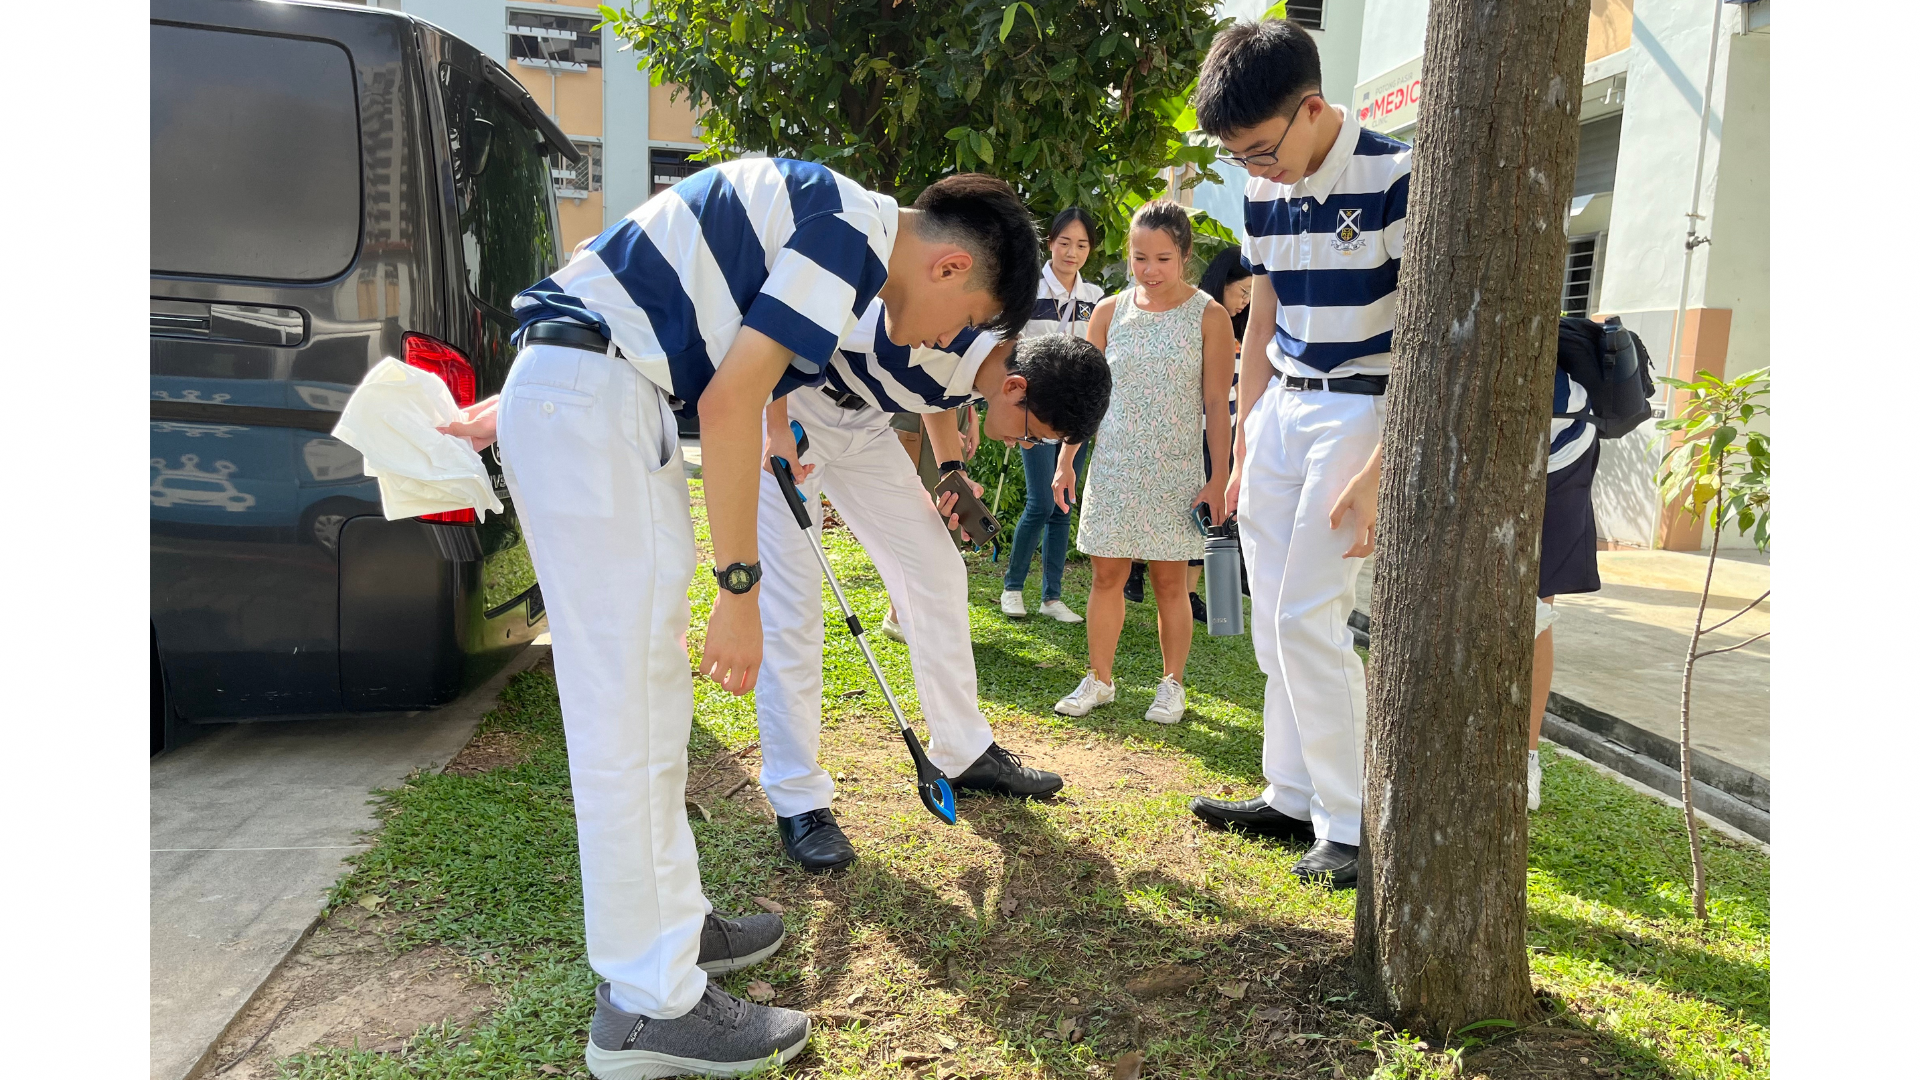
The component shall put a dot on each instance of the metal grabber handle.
(935, 792)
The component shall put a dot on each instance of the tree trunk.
(1441, 911)
(1694, 851)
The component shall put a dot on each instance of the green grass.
(1108, 881)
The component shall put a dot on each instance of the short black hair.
(1253, 73)
(1170, 218)
(1068, 383)
(982, 214)
(1070, 215)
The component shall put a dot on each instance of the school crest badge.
(1346, 235)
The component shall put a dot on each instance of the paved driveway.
(250, 827)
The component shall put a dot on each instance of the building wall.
(670, 120)
(1666, 74)
(612, 103)
(1739, 273)
(1393, 33)
(626, 116)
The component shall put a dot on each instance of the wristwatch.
(952, 467)
(738, 578)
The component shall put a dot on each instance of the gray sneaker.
(731, 944)
(721, 1036)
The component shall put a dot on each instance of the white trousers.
(592, 459)
(878, 493)
(1302, 449)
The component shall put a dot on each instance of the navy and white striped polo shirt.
(790, 248)
(1059, 310)
(1568, 438)
(898, 379)
(1331, 245)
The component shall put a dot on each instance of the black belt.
(573, 335)
(557, 332)
(1372, 385)
(843, 398)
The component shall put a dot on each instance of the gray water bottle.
(1222, 566)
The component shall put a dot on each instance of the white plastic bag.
(391, 419)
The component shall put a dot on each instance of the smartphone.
(975, 521)
(1202, 514)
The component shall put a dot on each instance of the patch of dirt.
(488, 751)
(343, 987)
(730, 776)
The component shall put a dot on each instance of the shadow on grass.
(1041, 947)
(1629, 852)
(1738, 987)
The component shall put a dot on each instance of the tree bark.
(1694, 851)
(1440, 923)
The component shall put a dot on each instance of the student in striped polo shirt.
(1569, 551)
(734, 286)
(1326, 204)
(1063, 384)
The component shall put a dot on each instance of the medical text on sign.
(1374, 112)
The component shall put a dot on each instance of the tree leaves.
(1719, 468)
(1006, 19)
(867, 87)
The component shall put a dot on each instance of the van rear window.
(255, 156)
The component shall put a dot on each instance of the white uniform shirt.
(1060, 310)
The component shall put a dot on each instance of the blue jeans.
(1042, 516)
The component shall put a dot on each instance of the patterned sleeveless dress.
(1146, 465)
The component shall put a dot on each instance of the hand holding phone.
(975, 520)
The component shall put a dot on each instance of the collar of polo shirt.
(1317, 185)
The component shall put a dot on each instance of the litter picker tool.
(935, 792)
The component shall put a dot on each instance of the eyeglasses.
(1272, 156)
(1027, 437)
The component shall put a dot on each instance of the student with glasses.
(1046, 388)
(1326, 207)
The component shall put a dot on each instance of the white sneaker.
(1533, 779)
(1054, 609)
(891, 627)
(1088, 696)
(1014, 605)
(1169, 702)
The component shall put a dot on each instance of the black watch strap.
(738, 578)
(955, 465)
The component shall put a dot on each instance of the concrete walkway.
(251, 825)
(1621, 650)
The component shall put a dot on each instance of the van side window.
(256, 155)
(502, 191)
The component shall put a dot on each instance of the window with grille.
(577, 179)
(1582, 282)
(1308, 13)
(669, 167)
(553, 40)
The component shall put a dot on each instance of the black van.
(330, 186)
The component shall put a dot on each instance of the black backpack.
(1611, 363)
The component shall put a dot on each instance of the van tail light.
(446, 363)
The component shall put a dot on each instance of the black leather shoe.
(814, 840)
(1199, 608)
(1135, 588)
(1337, 866)
(999, 772)
(1254, 816)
